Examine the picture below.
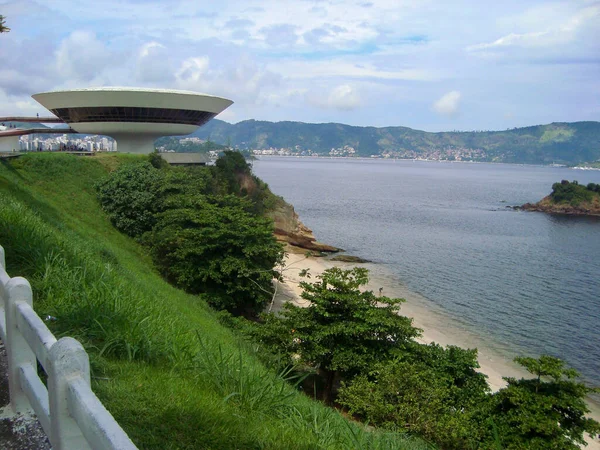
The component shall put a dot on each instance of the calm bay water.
(529, 282)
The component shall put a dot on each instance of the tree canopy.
(3, 27)
(130, 197)
(544, 412)
(343, 331)
(420, 396)
(573, 193)
(203, 233)
(215, 245)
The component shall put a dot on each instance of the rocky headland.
(289, 229)
(350, 259)
(569, 198)
(548, 205)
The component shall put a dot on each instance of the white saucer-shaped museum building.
(134, 117)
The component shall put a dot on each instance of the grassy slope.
(162, 364)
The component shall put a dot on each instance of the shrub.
(547, 411)
(414, 398)
(130, 197)
(343, 331)
(157, 161)
(571, 192)
(214, 245)
(229, 168)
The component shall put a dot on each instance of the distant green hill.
(560, 143)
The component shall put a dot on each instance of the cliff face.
(547, 205)
(289, 229)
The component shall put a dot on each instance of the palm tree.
(3, 29)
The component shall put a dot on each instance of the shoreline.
(379, 158)
(437, 326)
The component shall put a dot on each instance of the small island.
(569, 198)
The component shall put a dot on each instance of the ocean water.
(527, 282)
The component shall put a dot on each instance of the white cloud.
(553, 36)
(280, 35)
(447, 105)
(347, 69)
(148, 48)
(26, 106)
(240, 79)
(279, 59)
(81, 56)
(525, 40)
(154, 64)
(191, 73)
(343, 97)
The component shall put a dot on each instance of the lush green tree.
(215, 245)
(457, 366)
(3, 27)
(343, 331)
(130, 196)
(233, 174)
(412, 397)
(183, 184)
(418, 395)
(230, 169)
(201, 238)
(571, 192)
(428, 390)
(157, 161)
(593, 187)
(545, 412)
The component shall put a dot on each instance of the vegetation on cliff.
(162, 363)
(342, 331)
(569, 198)
(390, 381)
(174, 377)
(205, 232)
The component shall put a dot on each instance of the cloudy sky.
(427, 64)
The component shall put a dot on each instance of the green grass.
(164, 366)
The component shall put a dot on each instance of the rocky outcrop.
(350, 259)
(289, 229)
(547, 205)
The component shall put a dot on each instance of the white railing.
(68, 410)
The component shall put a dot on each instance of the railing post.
(2, 260)
(68, 360)
(18, 351)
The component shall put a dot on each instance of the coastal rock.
(546, 205)
(289, 229)
(350, 259)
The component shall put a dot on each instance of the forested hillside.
(564, 143)
(557, 143)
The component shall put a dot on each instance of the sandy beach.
(435, 325)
